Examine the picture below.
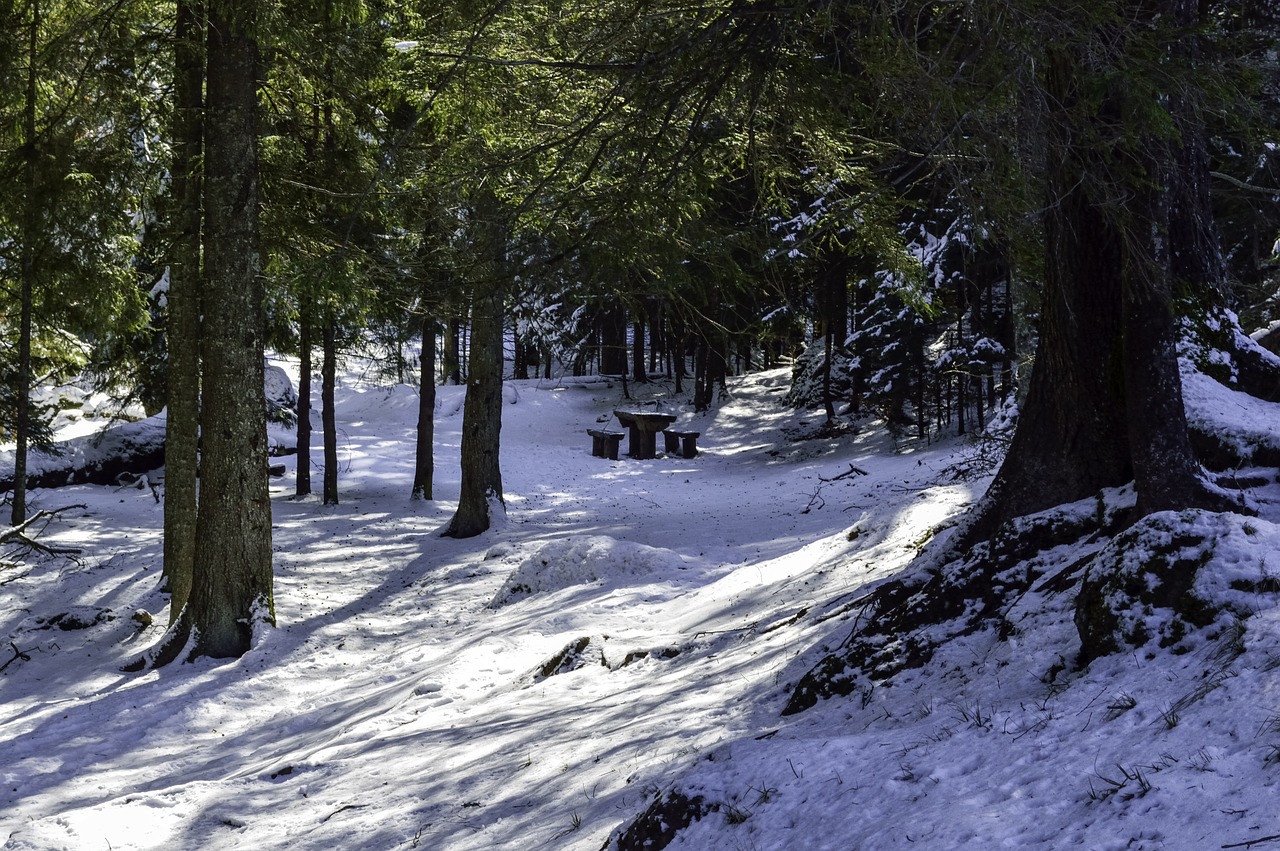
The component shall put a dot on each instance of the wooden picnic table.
(643, 427)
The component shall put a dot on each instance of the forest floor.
(631, 627)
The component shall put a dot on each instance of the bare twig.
(17, 654)
(852, 471)
(815, 500)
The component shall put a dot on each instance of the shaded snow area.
(631, 630)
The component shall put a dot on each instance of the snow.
(631, 627)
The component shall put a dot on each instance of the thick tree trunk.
(231, 592)
(481, 489)
(1166, 473)
(328, 385)
(182, 423)
(1104, 405)
(1072, 437)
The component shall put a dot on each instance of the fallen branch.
(852, 471)
(18, 536)
(35, 518)
(1252, 842)
(17, 654)
(815, 500)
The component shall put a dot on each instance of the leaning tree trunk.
(481, 490)
(231, 592)
(182, 423)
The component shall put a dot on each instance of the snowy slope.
(632, 625)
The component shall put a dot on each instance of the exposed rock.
(657, 826)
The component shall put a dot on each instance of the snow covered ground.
(633, 625)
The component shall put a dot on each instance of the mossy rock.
(658, 826)
(905, 620)
(1148, 587)
(580, 653)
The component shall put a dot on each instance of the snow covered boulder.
(131, 449)
(582, 561)
(1176, 580)
(282, 399)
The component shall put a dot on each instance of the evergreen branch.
(1249, 187)
(557, 64)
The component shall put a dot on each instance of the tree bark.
(328, 384)
(452, 357)
(638, 372)
(1071, 439)
(1104, 406)
(302, 486)
(424, 461)
(481, 489)
(613, 341)
(231, 592)
(182, 423)
(26, 297)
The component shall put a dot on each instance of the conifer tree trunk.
(638, 372)
(1071, 436)
(481, 489)
(26, 285)
(424, 462)
(1104, 405)
(328, 383)
(302, 485)
(231, 592)
(676, 341)
(452, 357)
(613, 342)
(701, 375)
(520, 359)
(182, 423)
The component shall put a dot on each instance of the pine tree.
(68, 147)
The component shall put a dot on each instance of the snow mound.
(582, 560)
